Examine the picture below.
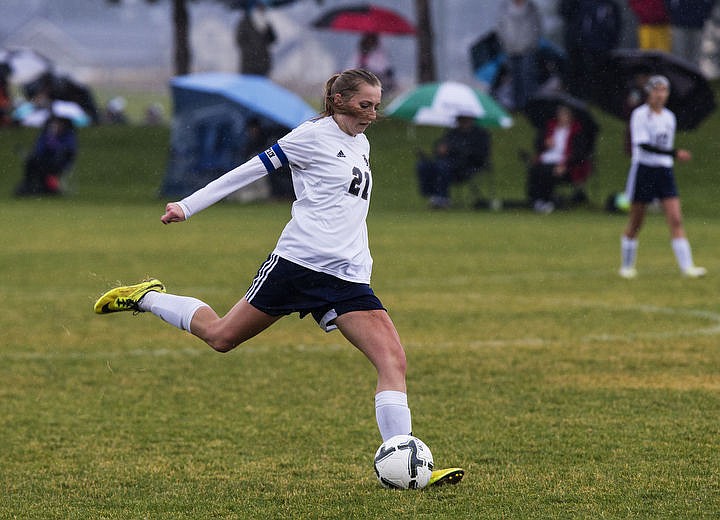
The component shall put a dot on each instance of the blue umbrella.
(211, 113)
(256, 93)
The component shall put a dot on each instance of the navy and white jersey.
(655, 129)
(332, 182)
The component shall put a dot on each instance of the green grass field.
(564, 391)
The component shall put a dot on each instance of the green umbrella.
(439, 104)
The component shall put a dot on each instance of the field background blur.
(562, 389)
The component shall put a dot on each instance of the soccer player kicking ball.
(652, 131)
(321, 264)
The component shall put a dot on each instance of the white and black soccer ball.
(403, 462)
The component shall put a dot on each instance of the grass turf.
(562, 389)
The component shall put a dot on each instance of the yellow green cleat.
(126, 298)
(440, 477)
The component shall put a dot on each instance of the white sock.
(175, 310)
(392, 414)
(683, 254)
(628, 251)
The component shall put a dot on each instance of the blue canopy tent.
(210, 114)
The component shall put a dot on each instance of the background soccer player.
(652, 132)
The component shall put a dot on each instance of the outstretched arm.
(218, 189)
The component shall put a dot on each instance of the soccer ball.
(403, 462)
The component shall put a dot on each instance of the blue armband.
(273, 158)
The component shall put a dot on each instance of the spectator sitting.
(154, 114)
(52, 156)
(260, 139)
(562, 155)
(6, 104)
(634, 97)
(458, 154)
(115, 111)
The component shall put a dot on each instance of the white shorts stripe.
(262, 275)
(631, 180)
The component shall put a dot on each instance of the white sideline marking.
(201, 350)
(712, 330)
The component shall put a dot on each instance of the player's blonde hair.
(345, 83)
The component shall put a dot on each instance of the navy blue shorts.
(282, 287)
(653, 182)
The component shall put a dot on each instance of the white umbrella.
(70, 110)
(25, 64)
(439, 104)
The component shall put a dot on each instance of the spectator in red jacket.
(563, 155)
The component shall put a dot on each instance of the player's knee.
(222, 346)
(220, 340)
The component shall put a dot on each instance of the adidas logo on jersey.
(341, 154)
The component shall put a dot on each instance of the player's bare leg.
(240, 324)
(375, 335)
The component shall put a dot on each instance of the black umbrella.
(541, 108)
(64, 88)
(485, 49)
(626, 70)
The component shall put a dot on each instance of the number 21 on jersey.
(361, 181)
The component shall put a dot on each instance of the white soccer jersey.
(655, 129)
(332, 183)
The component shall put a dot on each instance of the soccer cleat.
(694, 272)
(628, 272)
(440, 477)
(126, 298)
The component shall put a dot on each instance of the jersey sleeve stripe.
(281, 155)
(273, 158)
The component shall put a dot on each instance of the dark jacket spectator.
(460, 153)
(592, 28)
(689, 13)
(687, 19)
(254, 35)
(52, 156)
